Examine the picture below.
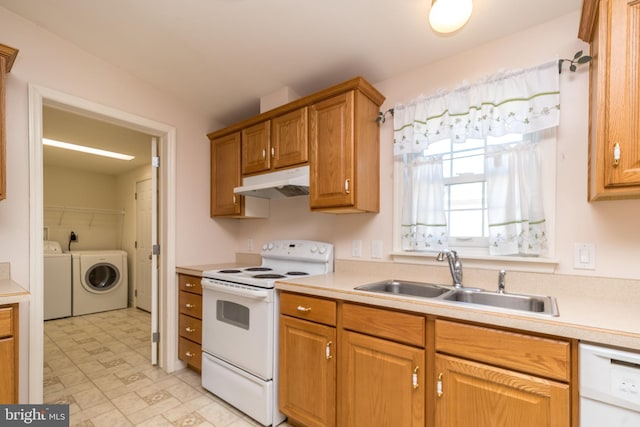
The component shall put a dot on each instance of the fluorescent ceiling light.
(89, 150)
(447, 16)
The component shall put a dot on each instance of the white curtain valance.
(511, 102)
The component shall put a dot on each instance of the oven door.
(238, 325)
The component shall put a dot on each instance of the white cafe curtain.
(524, 102)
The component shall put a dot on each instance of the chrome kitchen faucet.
(455, 266)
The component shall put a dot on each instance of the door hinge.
(135, 293)
(155, 161)
(135, 196)
(135, 244)
(155, 337)
(155, 250)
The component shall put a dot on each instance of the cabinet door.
(289, 142)
(8, 368)
(381, 382)
(307, 372)
(477, 395)
(614, 150)
(331, 145)
(256, 155)
(225, 175)
(3, 71)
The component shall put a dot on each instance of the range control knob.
(314, 249)
(323, 249)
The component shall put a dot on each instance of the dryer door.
(101, 277)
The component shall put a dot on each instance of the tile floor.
(99, 365)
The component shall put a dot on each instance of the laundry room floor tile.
(99, 364)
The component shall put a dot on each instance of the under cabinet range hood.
(276, 185)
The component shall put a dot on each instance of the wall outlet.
(376, 249)
(584, 256)
(249, 244)
(356, 248)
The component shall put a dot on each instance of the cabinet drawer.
(190, 304)
(190, 353)
(393, 325)
(191, 328)
(190, 283)
(6, 321)
(310, 308)
(534, 355)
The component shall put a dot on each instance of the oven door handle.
(231, 289)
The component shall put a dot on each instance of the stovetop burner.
(229, 271)
(258, 269)
(268, 276)
(297, 273)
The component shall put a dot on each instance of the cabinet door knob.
(414, 378)
(327, 350)
(347, 186)
(439, 390)
(264, 153)
(616, 155)
(234, 199)
(273, 152)
(304, 309)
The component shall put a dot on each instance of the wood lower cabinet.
(381, 382)
(190, 320)
(9, 354)
(307, 360)
(612, 27)
(381, 367)
(487, 377)
(480, 395)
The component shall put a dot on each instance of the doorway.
(39, 98)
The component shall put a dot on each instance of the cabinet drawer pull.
(190, 305)
(616, 155)
(304, 309)
(189, 329)
(189, 354)
(439, 390)
(327, 351)
(414, 378)
(347, 186)
(190, 285)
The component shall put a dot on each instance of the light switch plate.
(584, 256)
(356, 248)
(376, 249)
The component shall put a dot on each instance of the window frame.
(469, 251)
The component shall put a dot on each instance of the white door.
(143, 245)
(155, 330)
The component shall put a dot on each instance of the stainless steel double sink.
(545, 305)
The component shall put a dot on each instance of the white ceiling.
(221, 56)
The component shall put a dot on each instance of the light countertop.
(11, 292)
(613, 321)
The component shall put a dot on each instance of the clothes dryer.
(100, 281)
(57, 281)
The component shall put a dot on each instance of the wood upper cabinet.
(289, 139)
(307, 362)
(275, 144)
(612, 27)
(225, 175)
(7, 56)
(344, 145)
(256, 151)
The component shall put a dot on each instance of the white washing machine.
(57, 281)
(100, 281)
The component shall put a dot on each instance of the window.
(469, 174)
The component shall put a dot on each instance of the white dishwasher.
(609, 387)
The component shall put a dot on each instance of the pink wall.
(612, 226)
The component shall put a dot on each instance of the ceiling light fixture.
(447, 16)
(83, 149)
